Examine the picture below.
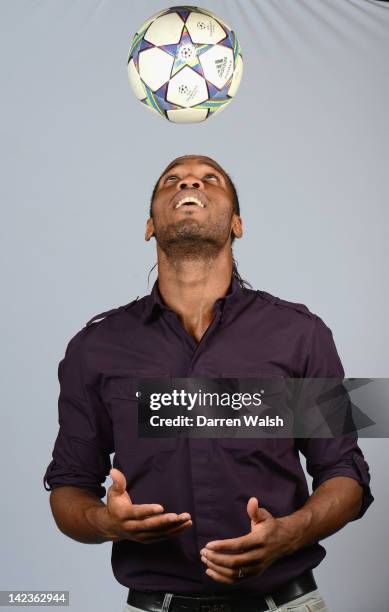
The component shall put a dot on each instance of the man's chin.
(187, 225)
(190, 247)
(188, 239)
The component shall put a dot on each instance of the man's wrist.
(296, 527)
(99, 518)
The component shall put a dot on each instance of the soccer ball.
(185, 64)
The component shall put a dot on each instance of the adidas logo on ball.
(221, 66)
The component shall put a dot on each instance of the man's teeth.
(191, 199)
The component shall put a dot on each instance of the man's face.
(193, 213)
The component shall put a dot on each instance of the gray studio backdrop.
(306, 141)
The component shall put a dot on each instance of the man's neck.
(191, 290)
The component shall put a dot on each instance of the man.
(200, 524)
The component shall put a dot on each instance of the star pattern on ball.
(186, 53)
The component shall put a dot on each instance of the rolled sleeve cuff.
(355, 468)
(57, 475)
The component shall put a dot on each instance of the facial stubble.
(190, 240)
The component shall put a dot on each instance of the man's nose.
(190, 182)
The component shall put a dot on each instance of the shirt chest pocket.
(122, 398)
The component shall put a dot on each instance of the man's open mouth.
(190, 201)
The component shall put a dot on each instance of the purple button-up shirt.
(253, 334)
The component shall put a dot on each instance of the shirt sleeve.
(338, 456)
(81, 455)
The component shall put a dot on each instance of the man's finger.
(223, 571)
(233, 574)
(164, 526)
(173, 530)
(142, 511)
(157, 536)
(233, 562)
(256, 513)
(252, 509)
(118, 481)
(125, 511)
(218, 577)
(234, 545)
(155, 523)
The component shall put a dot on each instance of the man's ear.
(237, 226)
(149, 229)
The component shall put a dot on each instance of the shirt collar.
(155, 304)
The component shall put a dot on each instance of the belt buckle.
(219, 607)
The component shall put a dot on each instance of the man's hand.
(251, 553)
(335, 502)
(120, 519)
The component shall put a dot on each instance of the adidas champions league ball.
(185, 64)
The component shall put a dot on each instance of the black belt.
(234, 602)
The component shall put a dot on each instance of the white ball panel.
(165, 30)
(217, 18)
(145, 25)
(187, 115)
(155, 66)
(218, 65)
(187, 88)
(204, 29)
(135, 81)
(236, 79)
